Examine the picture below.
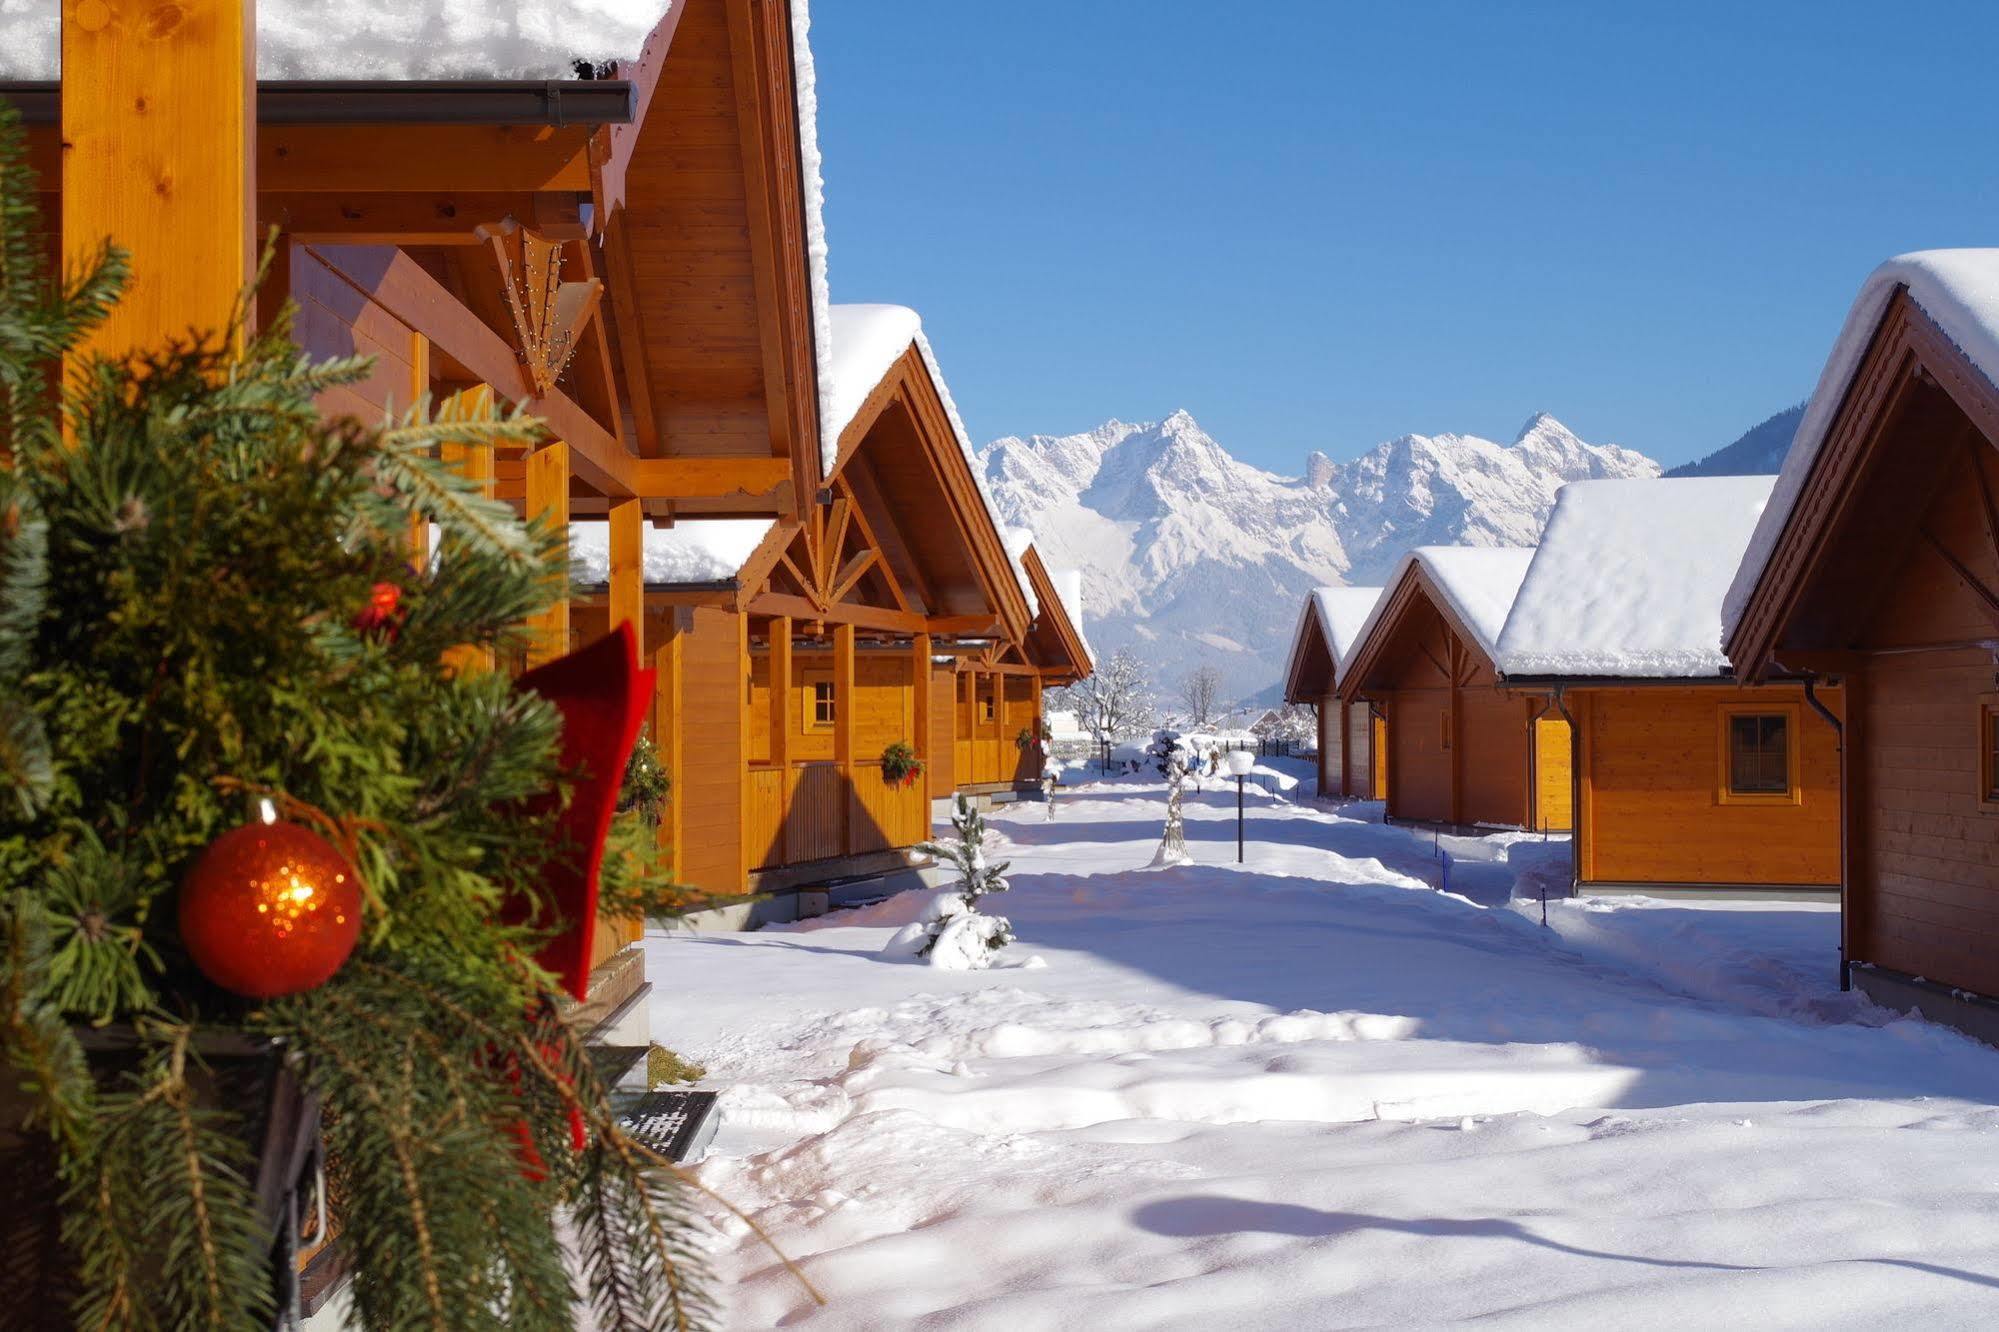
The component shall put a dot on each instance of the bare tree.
(1113, 703)
(1200, 690)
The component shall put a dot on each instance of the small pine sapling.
(952, 933)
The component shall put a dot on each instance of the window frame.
(809, 702)
(1725, 716)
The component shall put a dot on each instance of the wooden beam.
(666, 736)
(430, 218)
(919, 658)
(850, 574)
(854, 617)
(417, 159)
(548, 498)
(159, 117)
(845, 705)
(627, 580)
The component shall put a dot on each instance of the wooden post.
(548, 496)
(920, 705)
(666, 738)
(997, 682)
(475, 463)
(628, 587)
(419, 386)
(159, 122)
(843, 725)
(781, 704)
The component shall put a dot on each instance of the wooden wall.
(1492, 762)
(943, 731)
(1554, 774)
(884, 703)
(1419, 782)
(1652, 778)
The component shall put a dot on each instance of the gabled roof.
(870, 347)
(1056, 643)
(1629, 577)
(1471, 586)
(1330, 621)
(1956, 289)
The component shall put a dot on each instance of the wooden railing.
(828, 816)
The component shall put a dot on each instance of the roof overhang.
(556, 102)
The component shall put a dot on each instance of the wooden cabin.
(1352, 755)
(798, 651)
(1685, 779)
(1461, 749)
(1876, 565)
(628, 258)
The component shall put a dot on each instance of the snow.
(1313, 1092)
(1069, 591)
(1017, 540)
(866, 341)
(1478, 584)
(693, 550)
(805, 80)
(1959, 289)
(1629, 577)
(392, 39)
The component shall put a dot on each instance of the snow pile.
(1312, 1092)
(1629, 577)
(950, 935)
(392, 39)
(1959, 289)
(694, 550)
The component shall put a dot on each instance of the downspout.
(1839, 747)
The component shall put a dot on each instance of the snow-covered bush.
(1172, 755)
(951, 933)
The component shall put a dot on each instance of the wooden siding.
(943, 722)
(1374, 762)
(1419, 765)
(1492, 757)
(1554, 771)
(710, 788)
(1652, 781)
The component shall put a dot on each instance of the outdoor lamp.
(1240, 762)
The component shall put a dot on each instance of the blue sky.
(1320, 225)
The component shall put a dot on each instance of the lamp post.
(1240, 762)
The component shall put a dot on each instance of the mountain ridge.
(1193, 555)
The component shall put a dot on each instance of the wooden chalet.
(1353, 760)
(1876, 565)
(1460, 749)
(628, 258)
(798, 651)
(1685, 779)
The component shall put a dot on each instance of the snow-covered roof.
(693, 550)
(866, 340)
(1340, 613)
(1477, 583)
(805, 80)
(391, 39)
(1629, 577)
(1959, 290)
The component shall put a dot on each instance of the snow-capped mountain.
(1196, 556)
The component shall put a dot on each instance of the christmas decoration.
(952, 933)
(270, 909)
(900, 766)
(383, 610)
(601, 693)
(184, 543)
(1172, 756)
(647, 785)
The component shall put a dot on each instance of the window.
(1759, 755)
(986, 706)
(821, 708)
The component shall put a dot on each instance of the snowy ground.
(1315, 1092)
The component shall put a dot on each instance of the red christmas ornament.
(383, 611)
(270, 909)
